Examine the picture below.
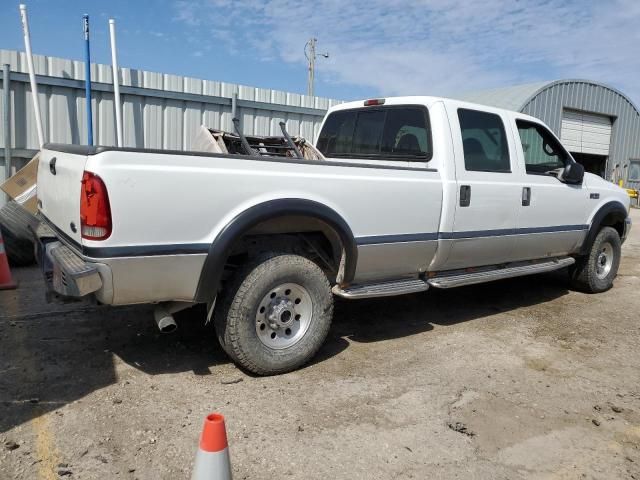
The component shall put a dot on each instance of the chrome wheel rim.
(284, 315)
(604, 261)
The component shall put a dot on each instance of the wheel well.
(306, 236)
(612, 219)
(611, 214)
(287, 222)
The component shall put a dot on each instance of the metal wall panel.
(159, 110)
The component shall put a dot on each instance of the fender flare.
(219, 251)
(614, 207)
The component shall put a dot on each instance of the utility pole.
(310, 54)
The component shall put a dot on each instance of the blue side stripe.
(411, 237)
(559, 228)
(424, 237)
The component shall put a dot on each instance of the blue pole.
(87, 78)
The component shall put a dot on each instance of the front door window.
(543, 154)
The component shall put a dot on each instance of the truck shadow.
(381, 319)
(50, 360)
(54, 355)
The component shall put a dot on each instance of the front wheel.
(595, 272)
(275, 313)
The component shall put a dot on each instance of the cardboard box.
(22, 186)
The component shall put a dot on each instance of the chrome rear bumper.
(64, 271)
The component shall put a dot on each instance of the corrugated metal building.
(159, 110)
(599, 125)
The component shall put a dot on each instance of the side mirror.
(573, 173)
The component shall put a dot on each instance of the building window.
(634, 171)
(484, 141)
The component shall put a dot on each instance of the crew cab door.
(552, 214)
(487, 196)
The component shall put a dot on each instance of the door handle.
(465, 195)
(526, 196)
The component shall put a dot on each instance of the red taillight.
(95, 212)
(374, 101)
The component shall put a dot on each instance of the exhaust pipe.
(163, 315)
(165, 321)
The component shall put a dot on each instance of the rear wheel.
(596, 271)
(275, 313)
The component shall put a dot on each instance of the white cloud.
(434, 46)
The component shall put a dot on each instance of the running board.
(460, 279)
(384, 289)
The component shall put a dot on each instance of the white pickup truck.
(414, 193)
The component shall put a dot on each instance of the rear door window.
(390, 133)
(484, 141)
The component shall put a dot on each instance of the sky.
(376, 47)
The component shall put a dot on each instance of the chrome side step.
(383, 289)
(451, 279)
(458, 279)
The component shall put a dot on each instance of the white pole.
(32, 75)
(116, 82)
(6, 86)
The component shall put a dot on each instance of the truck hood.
(597, 183)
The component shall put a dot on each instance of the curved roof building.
(598, 124)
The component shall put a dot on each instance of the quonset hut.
(598, 124)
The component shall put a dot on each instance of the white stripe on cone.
(212, 465)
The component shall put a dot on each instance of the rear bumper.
(115, 280)
(65, 272)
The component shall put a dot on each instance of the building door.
(596, 164)
(587, 136)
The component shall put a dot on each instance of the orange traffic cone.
(212, 459)
(6, 281)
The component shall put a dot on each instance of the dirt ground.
(515, 379)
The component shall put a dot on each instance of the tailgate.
(59, 181)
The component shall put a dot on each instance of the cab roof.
(427, 101)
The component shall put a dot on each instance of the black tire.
(20, 252)
(18, 239)
(236, 316)
(595, 272)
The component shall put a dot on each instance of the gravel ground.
(515, 379)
